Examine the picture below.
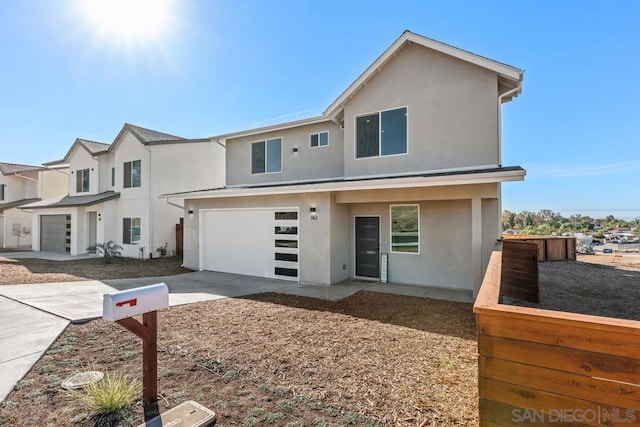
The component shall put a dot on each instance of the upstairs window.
(266, 156)
(382, 134)
(132, 174)
(113, 177)
(319, 139)
(130, 231)
(2, 191)
(82, 181)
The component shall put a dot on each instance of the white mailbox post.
(120, 307)
(123, 304)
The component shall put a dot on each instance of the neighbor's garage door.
(256, 242)
(55, 233)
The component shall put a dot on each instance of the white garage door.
(255, 242)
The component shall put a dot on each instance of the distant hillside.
(548, 222)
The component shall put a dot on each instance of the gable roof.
(152, 137)
(149, 135)
(509, 77)
(92, 147)
(273, 128)
(13, 168)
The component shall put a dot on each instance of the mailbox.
(123, 304)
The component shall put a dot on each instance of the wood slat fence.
(542, 368)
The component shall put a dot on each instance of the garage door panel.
(55, 233)
(245, 241)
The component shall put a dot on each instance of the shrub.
(112, 394)
(108, 250)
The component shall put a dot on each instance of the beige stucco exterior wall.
(82, 159)
(22, 220)
(452, 114)
(314, 245)
(19, 186)
(339, 240)
(308, 163)
(106, 163)
(176, 168)
(53, 183)
(445, 253)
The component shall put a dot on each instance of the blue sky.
(221, 66)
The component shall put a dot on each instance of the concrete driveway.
(34, 315)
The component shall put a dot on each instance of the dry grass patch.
(24, 271)
(369, 360)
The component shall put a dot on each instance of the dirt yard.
(369, 360)
(601, 285)
(23, 271)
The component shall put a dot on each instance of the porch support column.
(476, 244)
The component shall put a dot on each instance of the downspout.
(150, 180)
(173, 204)
(513, 91)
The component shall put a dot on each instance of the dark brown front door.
(368, 246)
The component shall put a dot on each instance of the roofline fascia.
(382, 184)
(409, 37)
(272, 128)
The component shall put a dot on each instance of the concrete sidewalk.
(25, 335)
(34, 315)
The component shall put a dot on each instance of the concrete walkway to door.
(34, 315)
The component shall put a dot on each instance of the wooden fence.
(541, 367)
(550, 248)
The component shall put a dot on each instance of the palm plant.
(108, 250)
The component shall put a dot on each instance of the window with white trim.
(319, 139)
(266, 156)
(381, 134)
(405, 229)
(82, 180)
(130, 231)
(2, 186)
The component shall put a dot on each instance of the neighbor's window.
(266, 156)
(113, 177)
(82, 180)
(405, 228)
(319, 139)
(382, 134)
(2, 191)
(132, 174)
(130, 231)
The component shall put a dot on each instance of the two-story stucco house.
(113, 192)
(399, 179)
(19, 186)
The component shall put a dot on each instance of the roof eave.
(272, 128)
(503, 70)
(366, 184)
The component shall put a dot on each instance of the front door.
(368, 246)
(93, 228)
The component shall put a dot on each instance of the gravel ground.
(24, 271)
(369, 360)
(595, 284)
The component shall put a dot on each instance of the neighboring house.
(19, 186)
(113, 192)
(405, 162)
